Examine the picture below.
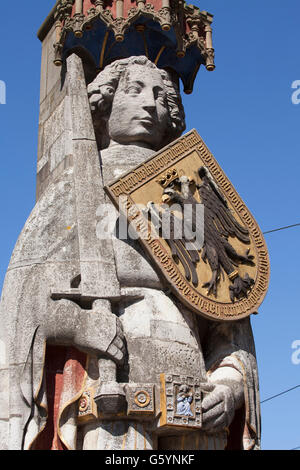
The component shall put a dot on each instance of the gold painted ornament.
(197, 230)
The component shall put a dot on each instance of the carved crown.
(168, 177)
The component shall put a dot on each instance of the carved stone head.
(134, 102)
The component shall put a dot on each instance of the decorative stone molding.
(87, 408)
(184, 29)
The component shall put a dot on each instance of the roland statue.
(67, 353)
(137, 110)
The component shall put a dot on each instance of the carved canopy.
(170, 33)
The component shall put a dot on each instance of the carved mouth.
(147, 120)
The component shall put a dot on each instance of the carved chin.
(145, 136)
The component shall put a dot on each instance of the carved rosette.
(140, 398)
(87, 408)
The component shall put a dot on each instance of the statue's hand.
(218, 408)
(97, 331)
(101, 334)
(117, 348)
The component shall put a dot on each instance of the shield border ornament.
(151, 169)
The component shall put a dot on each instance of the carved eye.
(159, 94)
(133, 89)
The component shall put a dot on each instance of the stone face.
(139, 112)
(134, 102)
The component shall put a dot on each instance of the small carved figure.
(184, 400)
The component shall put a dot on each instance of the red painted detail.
(87, 4)
(111, 5)
(63, 365)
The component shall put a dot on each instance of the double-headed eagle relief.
(196, 229)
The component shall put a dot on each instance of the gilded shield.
(197, 230)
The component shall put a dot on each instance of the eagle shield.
(198, 232)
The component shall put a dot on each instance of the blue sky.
(244, 112)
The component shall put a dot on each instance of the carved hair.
(106, 84)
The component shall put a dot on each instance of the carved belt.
(175, 403)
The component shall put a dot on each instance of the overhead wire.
(279, 394)
(293, 388)
(282, 228)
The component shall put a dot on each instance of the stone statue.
(142, 112)
(115, 342)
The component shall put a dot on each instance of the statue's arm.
(229, 354)
(227, 396)
(233, 379)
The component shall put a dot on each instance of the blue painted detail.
(134, 44)
(184, 405)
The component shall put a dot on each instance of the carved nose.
(149, 102)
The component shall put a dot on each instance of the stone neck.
(119, 159)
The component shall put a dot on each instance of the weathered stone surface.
(15, 432)
(55, 144)
(57, 244)
(4, 433)
(119, 435)
(4, 402)
(52, 73)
